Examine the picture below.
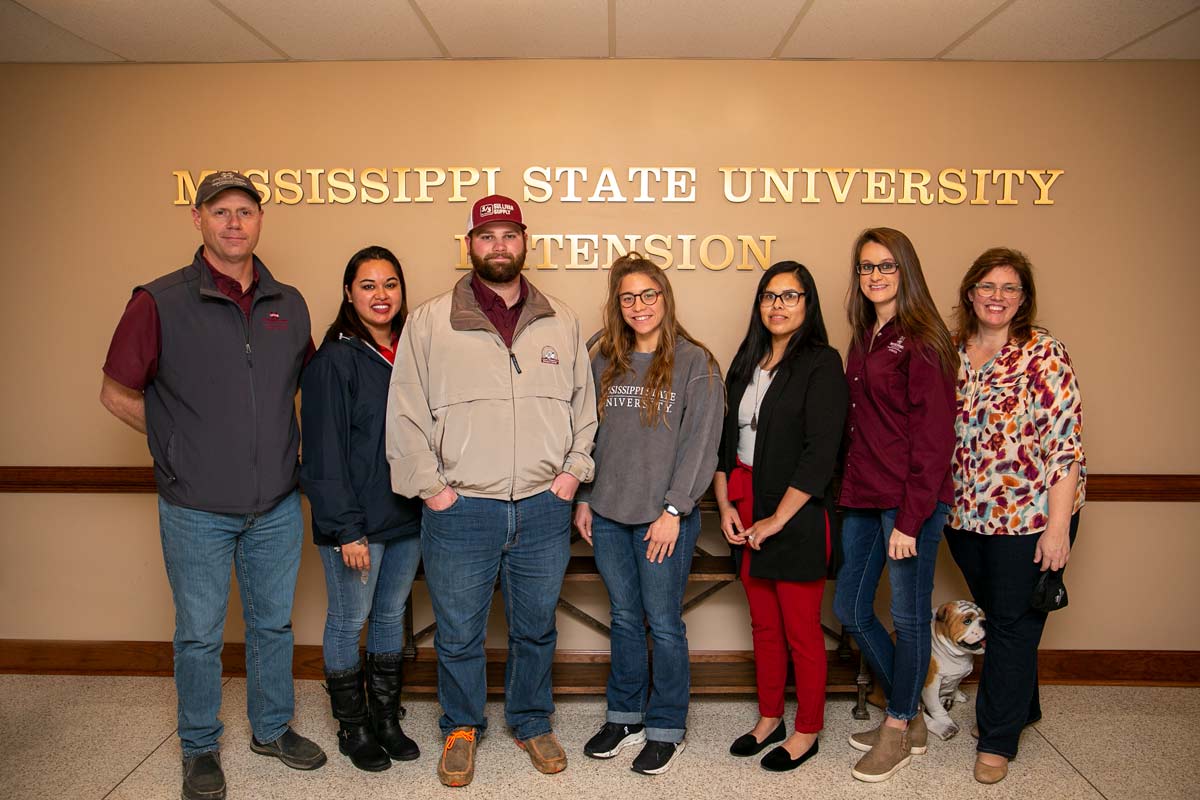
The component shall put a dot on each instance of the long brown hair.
(916, 314)
(617, 340)
(1020, 330)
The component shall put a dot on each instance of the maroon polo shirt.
(499, 314)
(899, 430)
(132, 359)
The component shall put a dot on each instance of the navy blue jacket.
(344, 472)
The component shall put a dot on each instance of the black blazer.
(799, 432)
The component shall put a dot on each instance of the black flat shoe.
(779, 760)
(746, 745)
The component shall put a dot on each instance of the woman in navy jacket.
(778, 452)
(368, 537)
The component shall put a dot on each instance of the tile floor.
(93, 738)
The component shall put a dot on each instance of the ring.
(750, 537)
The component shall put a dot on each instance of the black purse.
(1049, 593)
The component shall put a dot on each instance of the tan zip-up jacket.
(466, 411)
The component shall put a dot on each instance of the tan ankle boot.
(918, 737)
(886, 758)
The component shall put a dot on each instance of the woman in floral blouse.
(1018, 475)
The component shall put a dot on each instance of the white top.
(747, 410)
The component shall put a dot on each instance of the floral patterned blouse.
(1019, 425)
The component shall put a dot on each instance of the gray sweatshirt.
(638, 469)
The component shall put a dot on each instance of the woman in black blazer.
(779, 448)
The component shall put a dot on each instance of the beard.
(498, 269)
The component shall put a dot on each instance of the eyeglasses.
(649, 297)
(1003, 289)
(886, 267)
(790, 298)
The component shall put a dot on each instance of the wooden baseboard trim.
(583, 671)
(1101, 488)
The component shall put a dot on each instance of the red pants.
(785, 616)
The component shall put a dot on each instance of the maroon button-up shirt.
(132, 359)
(499, 314)
(900, 429)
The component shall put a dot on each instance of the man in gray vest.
(206, 361)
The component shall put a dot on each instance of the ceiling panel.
(881, 29)
(702, 28)
(1035, 30)
(520, 28)
(186, 30)
(1180, 40)
(24, 36)
(316, 30)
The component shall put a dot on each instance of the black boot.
(383, 699)
(355, 737)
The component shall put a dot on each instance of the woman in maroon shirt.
(896, 485)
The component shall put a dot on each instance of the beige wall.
(86, 212)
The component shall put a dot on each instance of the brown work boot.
(889, 755)
(545, 752)
(918, 737)
(457, 765)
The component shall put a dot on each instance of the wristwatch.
(670, 509)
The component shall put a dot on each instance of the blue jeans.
(900, 668)
(642, 592)
(198, 548)
(381, 599)
(527, 543)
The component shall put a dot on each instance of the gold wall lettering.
(682, 251)
(646, 184)
(543, 183)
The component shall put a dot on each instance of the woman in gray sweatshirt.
(661, 403)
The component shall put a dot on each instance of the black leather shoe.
(779, 760)
(203, 778)
(746, 745)
(292, 749)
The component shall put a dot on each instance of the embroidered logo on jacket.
(549, 355)
(897, 346)
(274, 322)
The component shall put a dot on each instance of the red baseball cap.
(494, 208)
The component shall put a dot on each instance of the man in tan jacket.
(491, 416)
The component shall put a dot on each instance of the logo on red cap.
(494, 208)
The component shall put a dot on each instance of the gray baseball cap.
(218, 182)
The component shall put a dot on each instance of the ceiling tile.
(520, 28)
(189, 30)
(1180, 40)
(24, 36)
(319, 30)
(702, 28)
(882, 29)
(1066, 30)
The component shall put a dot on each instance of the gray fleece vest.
(220, 413)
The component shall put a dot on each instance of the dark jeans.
(1001, 575)
(527, 544)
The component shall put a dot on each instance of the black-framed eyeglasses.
(1009, 290)
(790, 298)
(649, 297)
(886, 267)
